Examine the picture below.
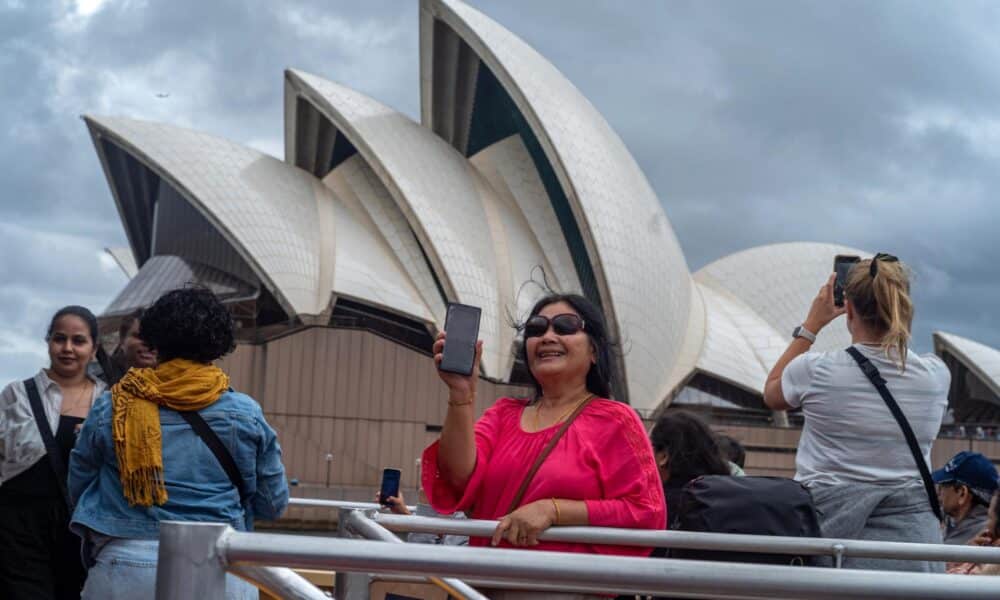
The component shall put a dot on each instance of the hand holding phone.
(390, 485)
(461, 326)
(842, 265)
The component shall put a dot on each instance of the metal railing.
(194, 558)
(838, 549)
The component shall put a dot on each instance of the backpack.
(749, 505)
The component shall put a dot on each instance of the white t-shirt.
(849, 434)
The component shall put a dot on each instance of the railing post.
(838, 556)
(369, 529)
(279, 582)
(189, 564)
(348, 585)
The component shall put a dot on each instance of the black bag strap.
(211, 439)
(871, 371)
(51, 447)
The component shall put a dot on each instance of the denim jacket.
(198, 488)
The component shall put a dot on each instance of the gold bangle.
(558, 514)
(470, 401)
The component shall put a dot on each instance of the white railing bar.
(692, 540)
(678, 578)
(360, 524)
(520, 585)
(338, 504)
(280, 582)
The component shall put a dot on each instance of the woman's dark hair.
(188, 323)
(599, 375)
(118, 361)
(127, 323)
(88, 317)
(690, 445)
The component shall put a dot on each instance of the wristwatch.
(802, 332)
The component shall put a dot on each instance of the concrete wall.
(771, 451)
(370, 402)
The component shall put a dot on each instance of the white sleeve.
(942, 372)
(8, 398)
(795, 380)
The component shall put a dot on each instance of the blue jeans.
(126, 570)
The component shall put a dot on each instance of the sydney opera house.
(338, 261)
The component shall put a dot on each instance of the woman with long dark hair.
(600, 472)
(39, 418)
(685, 448)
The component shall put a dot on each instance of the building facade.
(339, 260)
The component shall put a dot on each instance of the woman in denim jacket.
(138, 462)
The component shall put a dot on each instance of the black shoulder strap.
(220, 451)
(51, 447)
(871, 371)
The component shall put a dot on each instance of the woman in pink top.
(601, 472)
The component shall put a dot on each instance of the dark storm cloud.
(869, 124)
(220, 63)
(875, 125)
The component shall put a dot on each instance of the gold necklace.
(538, 408)
(78, 400)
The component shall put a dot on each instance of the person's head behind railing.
(685, 448)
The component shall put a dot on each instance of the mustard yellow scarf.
(179, 384)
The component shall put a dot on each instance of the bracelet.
(558, 514)
(468, 402)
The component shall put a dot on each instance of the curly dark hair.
(599, 375)
(690, 445)
(188, 323)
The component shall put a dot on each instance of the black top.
(39, 481)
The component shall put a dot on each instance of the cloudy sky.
(872, 124)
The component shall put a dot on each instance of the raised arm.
(822, 311)
(457, 454)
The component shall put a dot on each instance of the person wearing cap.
(965, 486)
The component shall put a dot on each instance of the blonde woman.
(852, 454)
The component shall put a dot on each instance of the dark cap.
(971, 469)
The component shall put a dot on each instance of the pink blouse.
(604, 459)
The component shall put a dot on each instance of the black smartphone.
(462, 326)
(842, 265)
(390, 485)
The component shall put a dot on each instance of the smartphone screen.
(462, 327)
(390, 485)
(842, 265)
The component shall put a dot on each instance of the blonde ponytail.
(880, 294)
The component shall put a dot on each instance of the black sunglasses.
(564, 324)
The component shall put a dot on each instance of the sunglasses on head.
(564, 324)
(881, 256)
